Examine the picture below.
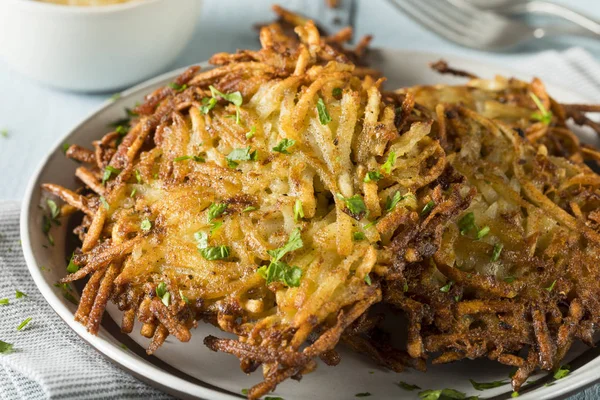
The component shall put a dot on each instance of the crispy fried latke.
(282, 193)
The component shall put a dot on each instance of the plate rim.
(173, 384)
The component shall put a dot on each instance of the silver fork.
(460, 22)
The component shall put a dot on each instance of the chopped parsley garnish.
(284, 145)
(235, 97)
(355, 204)
(336, 92)
(4, 133)
(487, 385)
(115, 96)
(365, 394)
(104, 203)
(72, 267)
(278, 270)
(562, 372)
(65, 147)
(124, 347)
(163, 294)
(445, 394)
(184, 297)
(294, 243)
(215, 210)
(122, 129)
(138, 176)
(549, 288)
(178, 87)
(393, 201)
(245, 392)
(215, 253)
(108, 173)
(19, 294)
(446, 288)
(146, 225)
(514, 394)
(249, 208)
(483, 232)
(64, 287)
(298, 210)
(542, 115)
(4, 302)
(372, 176)
(250, 134)
(428, 207)
(5, 348)
(215, 226)
(133, 192)
(207, 105)
(54, 210)
(408, 386)
(368, 279)
(389, 163)
(358, 236)
(509, 279)
(324, 117)
(240, 155)
(24, 323)
(496, 252)
(467, 223)
(195, 158)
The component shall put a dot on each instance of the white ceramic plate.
(190, 370)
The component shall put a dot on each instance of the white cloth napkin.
(49, 361)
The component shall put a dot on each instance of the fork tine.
(448, 14)
(413, 10)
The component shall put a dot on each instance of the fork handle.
(557, 10)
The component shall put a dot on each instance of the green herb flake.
(4, 302)
(428, 207)
(54, 210)
(64, 287)
(389, 163)
(177, 87)
(163, 294)
(496, 252)
(487, 385)
(368, 279)
(278, 270)
(65, 147)
(466, 223)
(138, 177)
(245, 392)
(19, 294)
(249, 208)
(446, 288)
(207, 105)
(294, 243)
(543, 115)
(240, 155)
(194, 158)
(109, 171)
(133, 192)
(284, 145)
(364, 394)
(562, 372)
(355, 204)
(184, 297)
(104, 203)
(215, 210)
(407, 386)
(393, 201)
(483, 232)
(215, 226)
(250, 134)
(358, 236)
(372, 176)
(24, 323)
(5, 348)
(4, 133)
(72, 267)
(115, 96)
(551, 287)
(324, 117)
(336, 92)
(235, 97)
(509, 279)
(146, 225)
(445, 394)
(298, 210)
(215, 253)
(514, 394)
(124, 347)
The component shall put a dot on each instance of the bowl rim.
(579, 378)
(61, 9)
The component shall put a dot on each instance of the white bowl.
(100, 48)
